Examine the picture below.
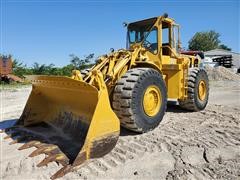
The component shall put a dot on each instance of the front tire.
(140, 99)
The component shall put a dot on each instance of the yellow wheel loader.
(73, 119)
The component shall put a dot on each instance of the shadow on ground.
(73, 147)
(126, 132)
(171, 107)
(7, 123)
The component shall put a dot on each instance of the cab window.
(151, 42)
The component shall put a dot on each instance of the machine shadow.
(27, 140)
(7, 123)
(126, 132)
(174, 108)
(171, 107)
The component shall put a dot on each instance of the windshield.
(137, 31)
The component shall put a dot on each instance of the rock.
(135, 173)
(193, 155)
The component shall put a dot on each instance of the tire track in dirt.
(195, 140)
(174, 138)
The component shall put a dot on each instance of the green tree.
(75, 60)
(67, 70)
(205, 41)
(38, 68)
(79, 63)
(20, 69)
(43, 69)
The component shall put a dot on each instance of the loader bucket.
(68, 120)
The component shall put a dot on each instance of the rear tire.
(129, 99)
(198, 90)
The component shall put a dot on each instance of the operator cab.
(143, 32)
(146, 33)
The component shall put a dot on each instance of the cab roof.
(151, 20)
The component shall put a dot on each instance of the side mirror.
(125, 24)
(165, 15)
(111, 50)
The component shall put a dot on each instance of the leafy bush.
(20, 69)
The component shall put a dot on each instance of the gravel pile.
(221, 73)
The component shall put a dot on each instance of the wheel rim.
(202, 90)
(152, 100)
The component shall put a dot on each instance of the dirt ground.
(186, 145)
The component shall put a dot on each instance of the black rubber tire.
(128, 99)
(193, 103)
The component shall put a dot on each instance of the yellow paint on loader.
(78, 113)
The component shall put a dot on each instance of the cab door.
(151, 44)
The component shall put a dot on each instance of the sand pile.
(221, 73)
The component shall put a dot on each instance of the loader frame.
(173, 66)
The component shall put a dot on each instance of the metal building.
(221, 52)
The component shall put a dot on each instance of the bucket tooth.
(38, 145)
(39, 150)
(57, 157)
(29, 145)
(60, 173)
(7, 137)
(81, 158)
(68, 168)
(52, 150)
(62, 159)
(13, 142)
(49, 149)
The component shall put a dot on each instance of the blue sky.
(48, 31)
